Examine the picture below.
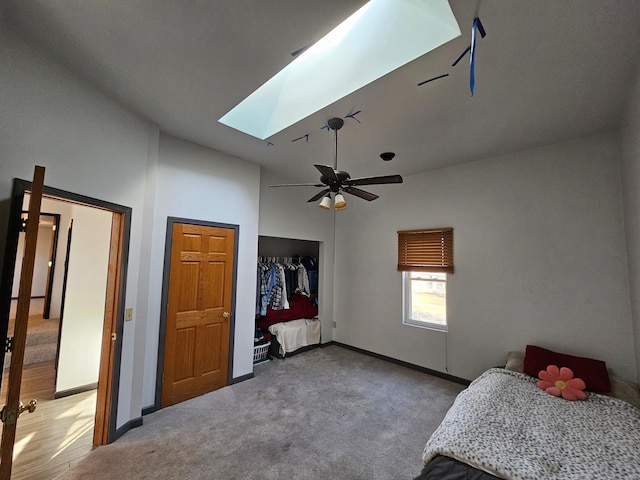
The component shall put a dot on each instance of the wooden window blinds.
(426, 250)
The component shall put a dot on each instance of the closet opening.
(287, 297)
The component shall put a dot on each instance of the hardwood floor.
(58, 433)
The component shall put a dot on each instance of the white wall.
(41, 263)
(64, 210)
(285, 213)
(88, 144)
(525, 228)
(537, 214)
(631, 195)
(82, 325)
(92, 146)
(198, 183)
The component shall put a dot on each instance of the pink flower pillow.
(560, 382)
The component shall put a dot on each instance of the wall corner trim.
(242, 378)
(133, 423)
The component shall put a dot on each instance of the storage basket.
(260, 352)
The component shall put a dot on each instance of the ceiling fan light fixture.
(336, 181)
(325, 203)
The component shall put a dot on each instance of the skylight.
(379, 38)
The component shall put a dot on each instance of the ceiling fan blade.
(298, 185)
(319, 195)
(328, 172)
(374, 180)
(360, 193)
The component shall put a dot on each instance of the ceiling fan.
(336, 181)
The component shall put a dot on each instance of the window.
(342, 62)
(425, 257)
(425, 299)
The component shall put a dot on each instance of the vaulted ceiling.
(547, 71)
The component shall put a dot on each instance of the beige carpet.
(330, 413)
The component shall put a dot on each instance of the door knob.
(10, 416)
(226, 314)
(30, 407)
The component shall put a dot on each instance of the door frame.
(52, 269)
(53, 245)
(165, 295)
(116, 322)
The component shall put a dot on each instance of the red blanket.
(299, 307)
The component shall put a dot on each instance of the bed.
(504, 426)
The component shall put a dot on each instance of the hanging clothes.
(278, 296)
(303, 281)
(277, 280)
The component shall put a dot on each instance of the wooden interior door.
(14, 407)
(196, 356)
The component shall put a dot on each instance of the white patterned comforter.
(505, 425)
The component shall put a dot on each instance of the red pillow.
(593, 372)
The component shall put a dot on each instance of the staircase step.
(40, 353)
(44, 352)
(42, 337)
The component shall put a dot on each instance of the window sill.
(428, 326)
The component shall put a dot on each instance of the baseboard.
(149, 409)
(155, 408)
(133, 423)
(435, 373)
(73, 391)
(248, 376)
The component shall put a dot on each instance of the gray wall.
(88, 144)
(525, 228)
(631, 196)
(524, 225)
(92, 146)
(201, 184)
(64, 210)
(285, 213)
(41, 265)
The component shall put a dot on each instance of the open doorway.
(77, 389)
(44, 321)
(45, 261)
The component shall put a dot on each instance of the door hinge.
(8, 344)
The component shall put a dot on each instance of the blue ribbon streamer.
(472, 60)
(477, 25)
